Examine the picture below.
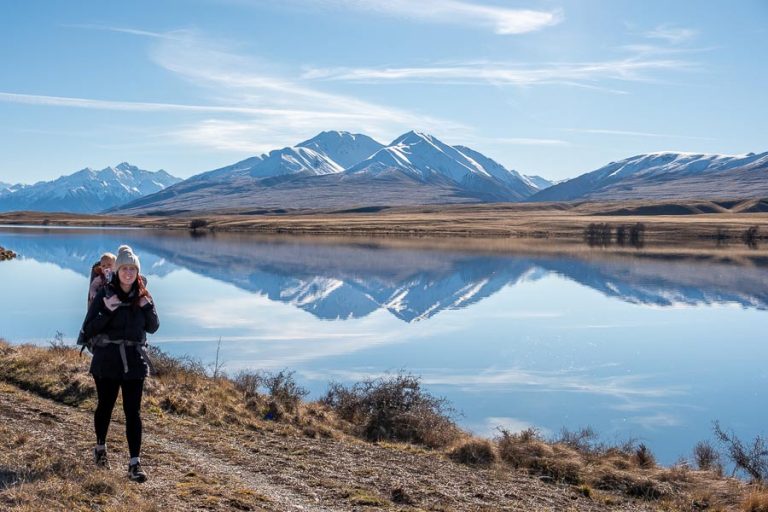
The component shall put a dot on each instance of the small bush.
(474, 452)
(196, 224)
(643, 457)
(184, 368)
(637, 235)
(751, 236)
(598, 233)
(283, 389)
(248, 383)
(394, 408)
(751, 459)
(583, 440)
(706, 456)
(57, 343)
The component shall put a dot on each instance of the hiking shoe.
(135, 473)
(100, 458)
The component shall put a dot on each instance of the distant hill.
(86, 191)
(668, 175)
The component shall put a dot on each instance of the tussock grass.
(473, 452)
(757, 501)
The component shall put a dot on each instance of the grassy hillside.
(378, 445)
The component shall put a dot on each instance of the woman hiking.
(120, 316)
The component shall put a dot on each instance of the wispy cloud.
(671, 34)
(526, 141)
(124, 30)
(264, 105)
(629, 388)
(585, 74)
(500, 20)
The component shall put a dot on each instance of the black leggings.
(107, 390)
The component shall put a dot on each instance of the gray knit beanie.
(125, 256)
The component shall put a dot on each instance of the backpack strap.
(102, 341)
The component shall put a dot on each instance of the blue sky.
(547, 87)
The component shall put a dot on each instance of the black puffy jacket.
(127, 322)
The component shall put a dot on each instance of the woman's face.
(128, 274)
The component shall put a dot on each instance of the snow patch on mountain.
(344, 148)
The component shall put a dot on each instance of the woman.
(118, 319)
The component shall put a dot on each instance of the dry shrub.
(643, 457)
(706, 456)
(183, 370)
(394, 408)
(750, 458)
(284, 390)
(584, 440)
(280, 386)
(248, 383)
(473, 452)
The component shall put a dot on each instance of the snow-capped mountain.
(344, 148)
(422, 156)
(88, 190)
(415, 168)
(668, 175)
(426, 158)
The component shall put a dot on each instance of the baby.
(103, 274)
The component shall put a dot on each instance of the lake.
(635, 346)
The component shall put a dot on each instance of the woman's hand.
(144, 301)
(112, 302)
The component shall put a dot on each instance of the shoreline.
(522, 220)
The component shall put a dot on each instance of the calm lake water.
(650, 348)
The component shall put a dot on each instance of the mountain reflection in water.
(354, 279)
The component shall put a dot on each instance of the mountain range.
(85, 191)
(668, 175)
(338, 169)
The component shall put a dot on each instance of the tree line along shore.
(251, 441)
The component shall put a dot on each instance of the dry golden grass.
(757, 501)
(192, 419)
